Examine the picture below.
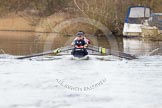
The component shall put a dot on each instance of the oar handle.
(56, 51)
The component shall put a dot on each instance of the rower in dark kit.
(80, 46)
(83, 36)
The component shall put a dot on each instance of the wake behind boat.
(80, 54)
(80, 58)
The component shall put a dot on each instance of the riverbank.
(24, 22)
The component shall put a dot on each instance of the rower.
(82, 34)
(80, 45)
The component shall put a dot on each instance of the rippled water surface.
(65, 83)
(59, 82)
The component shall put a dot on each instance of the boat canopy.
(136, 14)
(156, 20)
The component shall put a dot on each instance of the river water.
(65, 83)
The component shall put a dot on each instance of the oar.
(56, 51)
(111, 52)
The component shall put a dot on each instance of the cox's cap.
(80, 34)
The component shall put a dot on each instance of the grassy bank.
(44, 15)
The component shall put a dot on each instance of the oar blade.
(122, 55)
(112, 52)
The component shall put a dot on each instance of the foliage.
(109, 12)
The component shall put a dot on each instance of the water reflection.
(23, 43)
(142, 47)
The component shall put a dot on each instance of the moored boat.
(153, 29)
(142, 22)
(136, 16)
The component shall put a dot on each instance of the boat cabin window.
(139, 12)
(136, 20)
(160, 18)
(137, 15)
(156, 18)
